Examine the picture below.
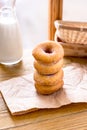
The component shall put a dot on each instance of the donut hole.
(48, 50)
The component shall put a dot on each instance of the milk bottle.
(11, 49)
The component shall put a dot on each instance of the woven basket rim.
(71, 25)
(71, 32)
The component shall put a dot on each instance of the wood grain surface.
(70, 117)
(54, 13)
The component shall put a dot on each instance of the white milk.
(10, 41)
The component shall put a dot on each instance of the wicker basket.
(73, 37)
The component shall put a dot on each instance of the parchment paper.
(21, 97)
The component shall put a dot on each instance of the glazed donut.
(48, 68)
(48, 89)
(48, 79)
(48, 52)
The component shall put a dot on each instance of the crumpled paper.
(21, 97)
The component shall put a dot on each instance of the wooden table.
(70, 117)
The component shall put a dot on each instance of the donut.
(48, 52)
(46, 89)
(48, 68)
(48, 79)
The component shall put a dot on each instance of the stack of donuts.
(48, 63)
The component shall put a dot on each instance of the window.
(75, 10)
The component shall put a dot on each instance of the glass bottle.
(11, 49)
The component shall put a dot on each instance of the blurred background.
(33, 18)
